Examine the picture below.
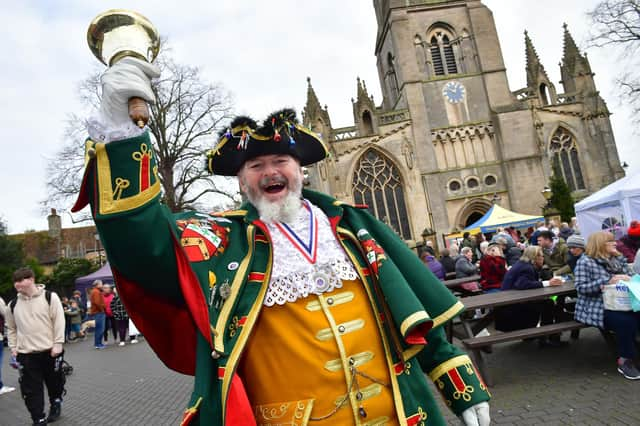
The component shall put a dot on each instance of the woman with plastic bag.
(599, 273)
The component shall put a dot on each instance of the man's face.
(544, 242)
(270, 177)
(23, 285)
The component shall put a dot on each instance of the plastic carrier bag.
(616, 297)
(634, 292)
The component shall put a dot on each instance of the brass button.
(341, 328)
(330, 301)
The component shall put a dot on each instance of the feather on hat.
(279, 133)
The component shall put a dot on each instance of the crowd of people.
(549, 255)
(38, 322)
(108, 314)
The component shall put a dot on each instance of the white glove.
(477, 415)
(127, 78)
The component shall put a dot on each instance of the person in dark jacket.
(121, 317)
(511, 253)
(433, 264)
(429, 248)
(447, 261)
(576, 246)
(565, 231)
(533, 240)
(523, 276)
(464, 267)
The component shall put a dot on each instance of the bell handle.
(139, 111)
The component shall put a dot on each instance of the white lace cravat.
(100, 131)
(293, 277)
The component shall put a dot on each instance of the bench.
(526, 333)
(471, 327)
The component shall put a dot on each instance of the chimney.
(55, 224)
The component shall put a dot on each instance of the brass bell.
(118, 33)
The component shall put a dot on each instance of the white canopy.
(613, 207)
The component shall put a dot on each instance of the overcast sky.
(261, 51)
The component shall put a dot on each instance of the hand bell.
(117, 33)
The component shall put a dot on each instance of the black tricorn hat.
(280, 133)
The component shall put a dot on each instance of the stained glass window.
(378, 184)
(564, 158)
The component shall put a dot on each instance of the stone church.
(450, 137)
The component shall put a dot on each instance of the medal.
(224, 291)
(309, 250)
(321, 281)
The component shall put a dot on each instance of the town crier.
(294, 309)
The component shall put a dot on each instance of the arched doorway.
(472, 211)
(473, 218)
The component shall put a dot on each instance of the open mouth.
(274, 188)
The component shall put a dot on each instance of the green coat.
(170, 269)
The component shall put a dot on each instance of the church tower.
(449, 137)
(441, 61)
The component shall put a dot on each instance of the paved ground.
(576, 385)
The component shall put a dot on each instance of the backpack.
(12, 303)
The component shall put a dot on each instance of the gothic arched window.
(378, 184)
(443, 58)
(564, 158)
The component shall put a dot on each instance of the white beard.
(285, 210)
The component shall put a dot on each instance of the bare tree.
(616, 23)
(183, 123)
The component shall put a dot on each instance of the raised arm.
(122, 185)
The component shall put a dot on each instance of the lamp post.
(426, 234)
(547, 194)
(99, 251)
(548, 210)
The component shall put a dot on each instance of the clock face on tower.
(453, 92)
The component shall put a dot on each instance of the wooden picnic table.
(511, 297)
(471, 327)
